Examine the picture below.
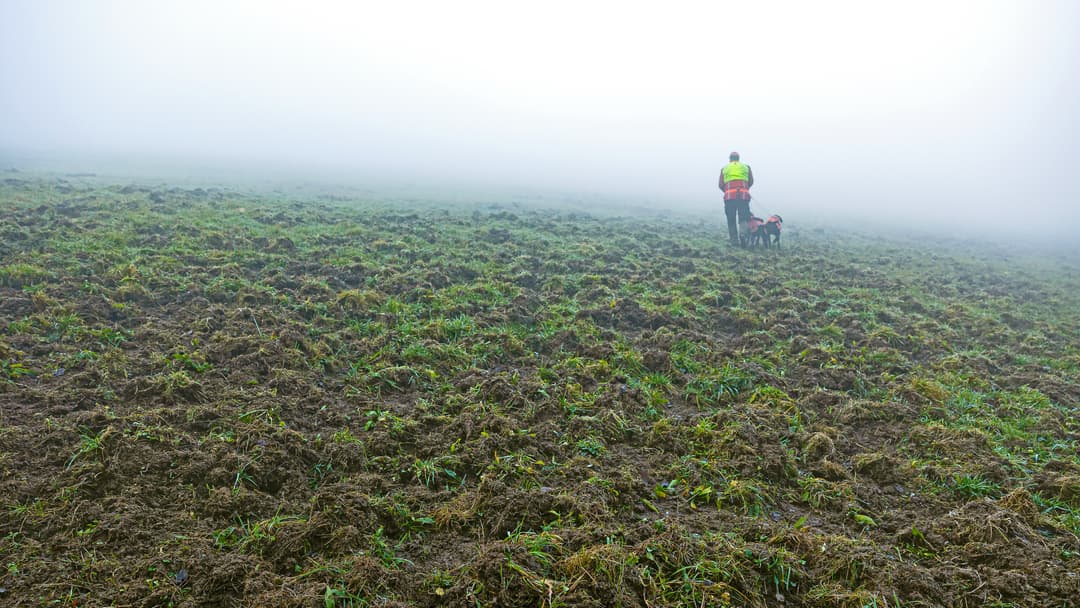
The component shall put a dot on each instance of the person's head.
(733, 156)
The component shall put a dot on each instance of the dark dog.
(772, 228)
(755, 229)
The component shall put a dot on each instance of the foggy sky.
(956, 110)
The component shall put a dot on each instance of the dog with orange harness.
(755, 231)
(771, 229)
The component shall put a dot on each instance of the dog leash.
(764, 203)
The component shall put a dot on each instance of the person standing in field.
(735, 180)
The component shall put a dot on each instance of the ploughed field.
(218, 399)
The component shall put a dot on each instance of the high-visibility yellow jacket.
(736, 170)
(735, 180)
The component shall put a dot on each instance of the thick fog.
(943, 113)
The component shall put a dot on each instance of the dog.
(755, 231)
(772, 228)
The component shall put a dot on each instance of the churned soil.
(220, 399)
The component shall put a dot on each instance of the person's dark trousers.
(733, 209)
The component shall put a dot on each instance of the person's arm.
(721, 184)
(750, 172)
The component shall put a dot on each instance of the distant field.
(218, 399)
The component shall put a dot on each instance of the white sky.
(841, 105)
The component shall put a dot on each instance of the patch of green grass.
(91, 445)
(717, 385)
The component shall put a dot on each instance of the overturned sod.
(209, 398)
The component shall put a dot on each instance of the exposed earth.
(210, 398)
